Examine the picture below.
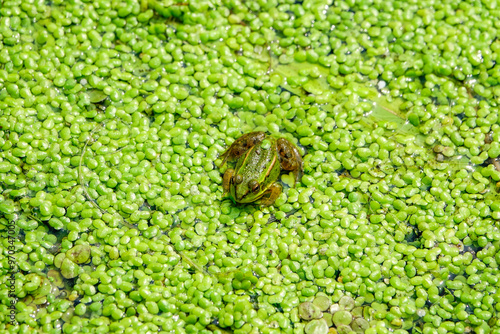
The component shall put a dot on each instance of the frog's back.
(260, 161)
(259, 164)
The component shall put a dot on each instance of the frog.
(260, 160)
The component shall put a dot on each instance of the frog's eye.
(238, 179)
(253, 185)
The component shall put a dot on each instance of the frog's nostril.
(238, 179)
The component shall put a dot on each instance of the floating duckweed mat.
(113, 116)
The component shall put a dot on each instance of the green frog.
(260, 161)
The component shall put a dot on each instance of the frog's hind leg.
(290, 158)
(241, 145)
(271, 194)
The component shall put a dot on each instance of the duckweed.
(113, 115)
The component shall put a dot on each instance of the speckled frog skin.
(260, 161)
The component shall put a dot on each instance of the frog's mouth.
(244, 197)
(241, 199)
(249, 191)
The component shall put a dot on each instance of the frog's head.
(246, 190)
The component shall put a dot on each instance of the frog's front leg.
(226, 180)
(290, 158)
(271, 194)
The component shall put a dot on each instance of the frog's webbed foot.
(290, 158)
(241, 145)
(271, 194)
